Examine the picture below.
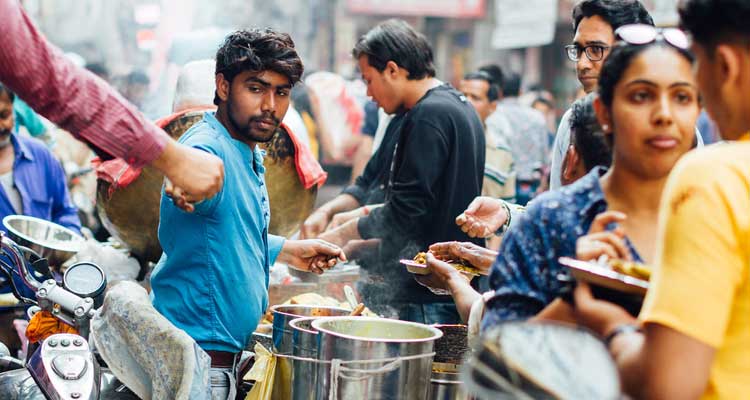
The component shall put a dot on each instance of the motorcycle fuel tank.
(64, 368)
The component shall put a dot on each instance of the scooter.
(64, 365)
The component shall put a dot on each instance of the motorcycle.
(64, 365)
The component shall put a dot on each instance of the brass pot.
(131, 214)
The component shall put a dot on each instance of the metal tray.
(597, 275)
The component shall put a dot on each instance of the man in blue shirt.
(32, 181)
(212, 279)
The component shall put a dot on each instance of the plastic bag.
(262, 373)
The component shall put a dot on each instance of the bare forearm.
(627, 350)
(463, 295)
(341, 203)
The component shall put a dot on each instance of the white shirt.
(14, 196)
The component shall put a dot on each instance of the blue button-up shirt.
(212, 279)
(525, 273)
(41, 181)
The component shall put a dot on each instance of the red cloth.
(119, 174)
(70, 96)
(308, 168)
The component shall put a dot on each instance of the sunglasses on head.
(639, 34)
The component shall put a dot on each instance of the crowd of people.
(626, 183)
(470, 173)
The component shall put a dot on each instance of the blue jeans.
(431, 313)
(223, 383)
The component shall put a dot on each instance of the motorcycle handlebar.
(10, 249)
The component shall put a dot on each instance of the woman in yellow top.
(693, 335)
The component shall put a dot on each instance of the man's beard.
(246, 130)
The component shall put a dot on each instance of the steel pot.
(379, 358)
(282, 340)
(304, 344)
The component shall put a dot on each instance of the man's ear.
(392, 70)
(603, 116)
(728, 71)
(222, 87)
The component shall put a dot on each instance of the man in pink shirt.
(86, 106)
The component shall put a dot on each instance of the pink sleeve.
(69, 96)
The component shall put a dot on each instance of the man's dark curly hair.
(258, 50)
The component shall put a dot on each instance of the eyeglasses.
(594, 52)
(639, 34)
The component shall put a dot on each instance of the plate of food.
(418, 265)
(620, 275)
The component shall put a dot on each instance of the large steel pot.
(379, 358)
(283, 341)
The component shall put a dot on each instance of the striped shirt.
(70, 96)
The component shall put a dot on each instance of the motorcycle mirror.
(541, 361)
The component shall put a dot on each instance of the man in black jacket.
(436, 171)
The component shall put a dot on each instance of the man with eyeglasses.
(595, 22)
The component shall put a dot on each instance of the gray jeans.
(223, 383)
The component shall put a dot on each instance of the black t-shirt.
(437, 170)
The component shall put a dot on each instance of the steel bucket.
(282, 341)
(445, 383)
(304, 344)
(379, 358)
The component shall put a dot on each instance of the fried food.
(421, 258)
(630, 268)
(316, 300)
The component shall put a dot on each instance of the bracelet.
(365, 210)
(506, 225)
(620, 329)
